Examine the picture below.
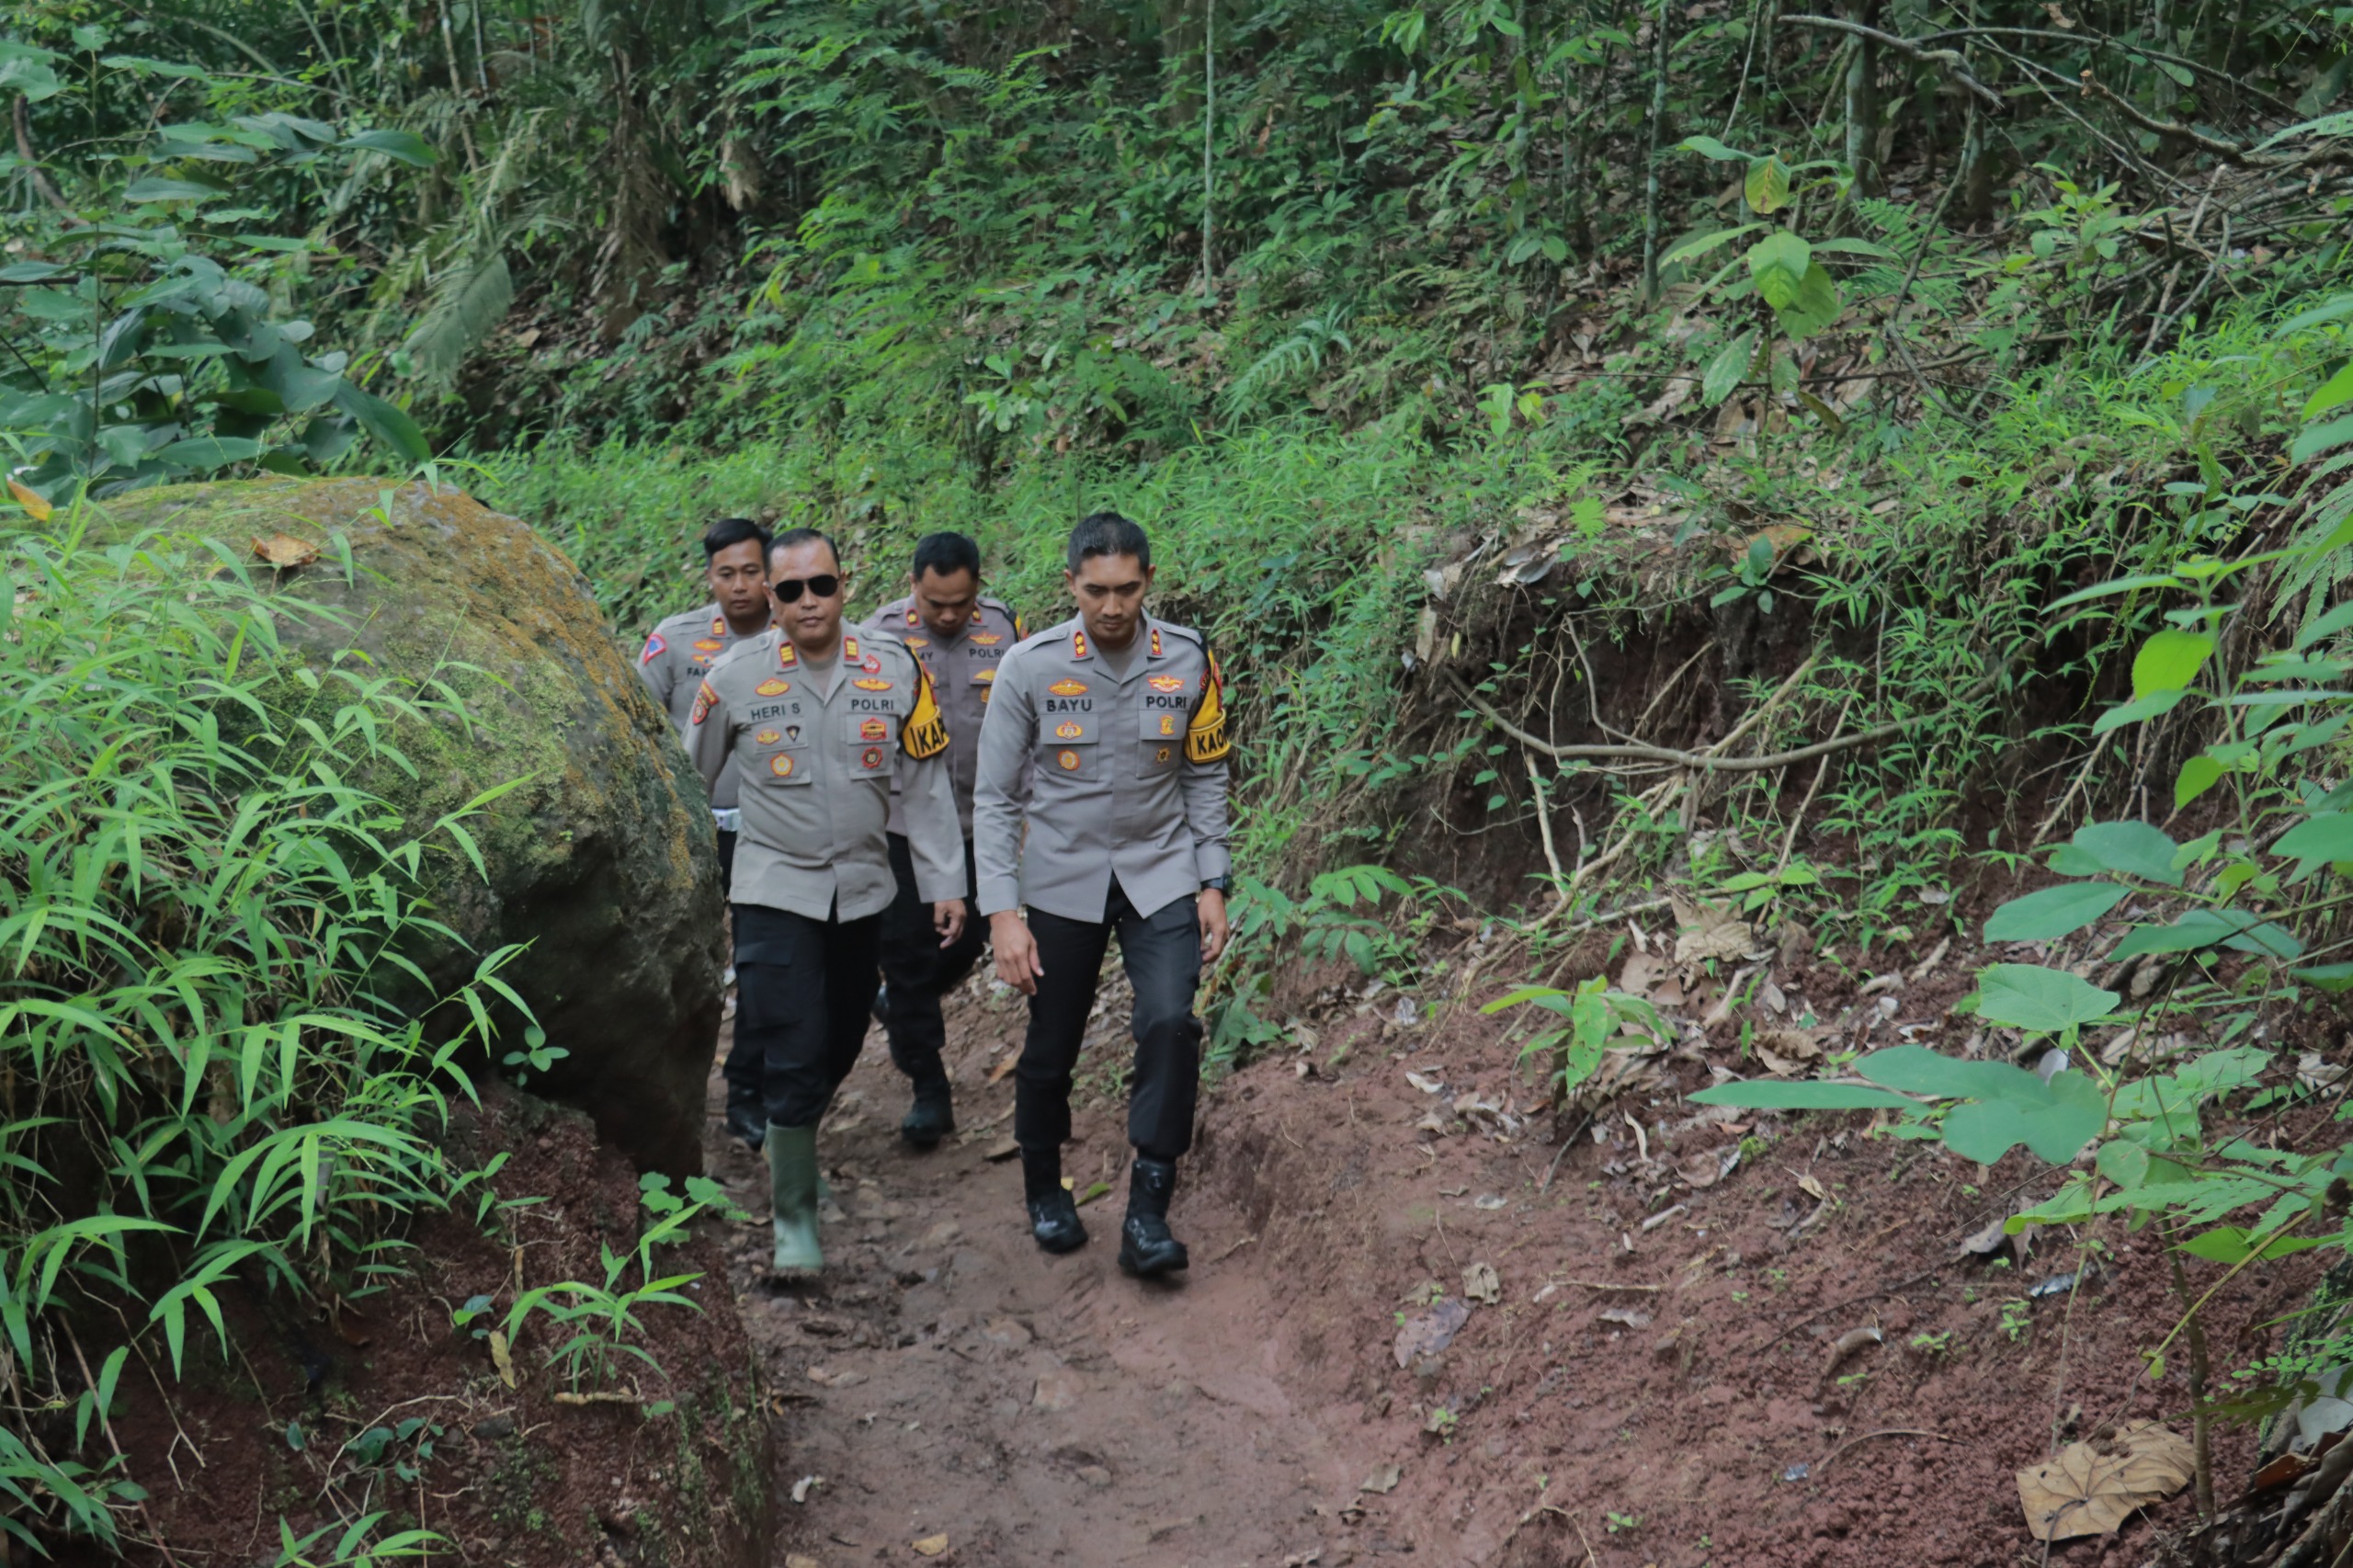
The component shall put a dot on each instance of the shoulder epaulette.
(1189, 634)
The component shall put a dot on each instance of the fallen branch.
(1948, 59)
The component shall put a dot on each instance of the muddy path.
(1684, 1340)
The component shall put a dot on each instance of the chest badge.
(1166, 683)
(767, 737)
(918, 642)
(1067, 761)
(1160, 755)
(654, 648)
(987, 639)
(781, 764)
(773, 686)
(1069, 732)
(873, 730)
(871, 759)
(1169, 723)
(1068, 688)
(872, 685)
(708, 644)
(984, 674)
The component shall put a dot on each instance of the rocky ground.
(1418, 1326)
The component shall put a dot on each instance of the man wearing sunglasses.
(1100, 807)
(960, 636)
(675, 657)
(819, 725)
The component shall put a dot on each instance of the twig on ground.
(1883, 1432)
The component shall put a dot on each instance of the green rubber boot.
(792, 1199)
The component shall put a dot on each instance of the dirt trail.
(1687, 1343)
(947, 1377)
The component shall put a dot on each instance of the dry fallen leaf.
(931, 1545)
(832, 1377)
(1626, 1317)
(1429, 1086)
(805, 1485)
(794, 1560)
(1385, 1479)
(1479, 1283)
(31, 500)
(2086, 1491)
(501, 1359)
(285, 549)
(1814, 1189)
(1426, 1334)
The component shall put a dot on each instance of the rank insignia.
(873, 730)
(768, 737)
(719, 625)
(1067, 761)
(705, 700)
(774, 686)
(872, 685)
(708, 644)
(1166, 683)
(871, 665)
(786, 654)
(911, 617)
(781, 764)
(1155, 641)
(1069, 732)
(870, 758)
(1068, 688)
(654, 648)
(1078, 644)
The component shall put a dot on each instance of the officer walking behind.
(1106, 740)
(680, 649)
(959, 637)
(819, 724)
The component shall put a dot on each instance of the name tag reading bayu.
(1070, 705)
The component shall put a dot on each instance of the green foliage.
(596, 1326)
(1595, 1015)
(199, 914)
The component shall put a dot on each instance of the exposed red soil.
(946, 1379)
(513, 1477)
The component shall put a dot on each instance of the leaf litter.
(2091, 1488)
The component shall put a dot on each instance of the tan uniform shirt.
(817, 770)
(1112, 776)
(672, 667)
(962, 672)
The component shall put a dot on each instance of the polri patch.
(873, 730)
(1067, 732)
(705, 700)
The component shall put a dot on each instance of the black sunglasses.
(788, 589)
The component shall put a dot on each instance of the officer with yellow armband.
(1100, 806)
(818, 724)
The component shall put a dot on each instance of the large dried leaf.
(1426, 1334)
(1709, 932)
(285, 549)
(2092, 1489)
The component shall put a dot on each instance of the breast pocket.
(779, 757)
(1160, 741)
(871, 738)
(1069, 746)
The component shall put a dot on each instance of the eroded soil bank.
(1790, 1361)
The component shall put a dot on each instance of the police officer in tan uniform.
(675, 657)
(1100, 807)
(819, 724)
(960, 636)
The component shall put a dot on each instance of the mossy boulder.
(603, 860)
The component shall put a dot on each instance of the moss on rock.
(603, 860)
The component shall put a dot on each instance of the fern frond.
(467, 301)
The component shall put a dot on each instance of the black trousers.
(803, 988)
(917, 970)
(741, 1069)
(1163, 958)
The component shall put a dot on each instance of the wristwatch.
(1213, 884)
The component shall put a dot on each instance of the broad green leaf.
(1761, 1094)
(388, 423)
(1816, 306)
(2328, 311)
(2119, 585)
(1768, 186)
(2330, 977)
(2133, 847)
(1854, 247)
(1920, 1070)
(2328, 835)
(1778, 263)
(2320, 438)
(2338, 391)
(157, 188)
(1728, 369)
(2197, 775)
(403, 145)
(2053, 912)
(204, 452)
(27, 75)
(1709, 147)
(2231, 1245)
(2070, 1112)
(2170, 660)
(2123, 1161)
(2040, 1001)
(2199, 928)
(1700, 244)
(2133, 712)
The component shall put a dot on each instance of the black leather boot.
(1146, 1249)
(881, 1007)
(933, 1115)
(1053, 1216)
(747, 1120)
